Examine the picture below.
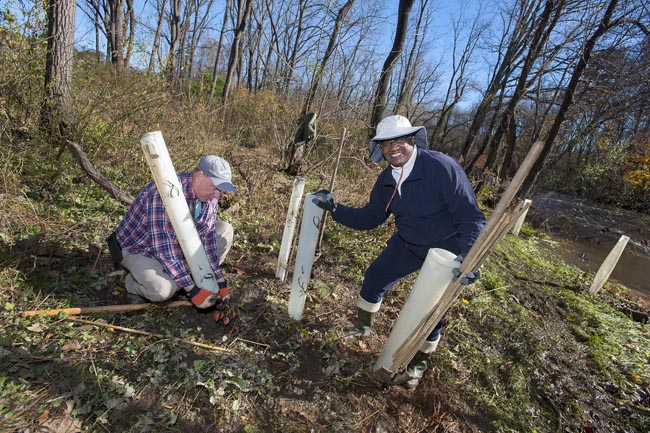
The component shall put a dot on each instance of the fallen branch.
(87, 166)
(103, 309)
(149, 334)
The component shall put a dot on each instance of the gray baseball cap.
(218, 170)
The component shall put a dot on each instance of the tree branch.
(87, 166)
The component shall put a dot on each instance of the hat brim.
(420, 139)
(223, 185)
(396, 133)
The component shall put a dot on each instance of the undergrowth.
(526, 348)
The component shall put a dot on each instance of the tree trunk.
(215, 67)
(328, 53)
(174, 30)
(404, 92)
(548, 19)
(245, 7)
(398, 43)
(502, 70)
(302, 6)
(156, 37)
(55, 115)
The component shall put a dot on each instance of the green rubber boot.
(363, 325)
(410, 378)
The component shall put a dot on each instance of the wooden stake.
(148, 334)
(331, 186)
(103, 309)
(608, 265)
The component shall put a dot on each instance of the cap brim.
(223, 186)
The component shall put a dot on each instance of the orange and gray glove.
(202, 298)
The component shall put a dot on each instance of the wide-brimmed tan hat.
(394, 127)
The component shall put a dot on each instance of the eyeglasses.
(385, 144)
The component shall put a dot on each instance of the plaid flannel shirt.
(147, 230)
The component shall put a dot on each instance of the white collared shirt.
(404, 170)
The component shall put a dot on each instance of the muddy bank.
(590, 230)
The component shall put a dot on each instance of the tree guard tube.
(312, 219)
(434, 277)
(171, 191)
(290, 227)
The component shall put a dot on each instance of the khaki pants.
(147, 278)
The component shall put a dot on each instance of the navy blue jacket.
(436, 207)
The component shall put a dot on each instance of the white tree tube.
(434, 277)
(290, 227)
(520, 221)
(171, 191)
(608, 265)
(312, 218)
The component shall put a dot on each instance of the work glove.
(469, 277)
(324, 200)
(202, 298)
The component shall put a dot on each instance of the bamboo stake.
(331, 186)
(498, 224)
(103, 309)
(149, 334)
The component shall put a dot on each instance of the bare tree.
(117, 18)
(162, 5)
(386, 71)
(406, 83)
(244, 11)
(174, 38)
(226, 12)
(316, 79)
(457, 81)
(547, 21)
(517, 28)
(605, 24)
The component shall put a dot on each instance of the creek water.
(586, 232)
(631, 270)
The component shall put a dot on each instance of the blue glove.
(324, 200)
(469, 277)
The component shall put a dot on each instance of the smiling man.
(434, 207)
(146, 245)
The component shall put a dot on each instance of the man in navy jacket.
(434, 206)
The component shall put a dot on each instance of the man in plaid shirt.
(148, 245)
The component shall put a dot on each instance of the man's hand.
(469, 277)
(324, 200)
(202, 298)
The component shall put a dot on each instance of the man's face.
(203, 187)
(398, 150)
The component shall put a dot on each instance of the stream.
(588, 231)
